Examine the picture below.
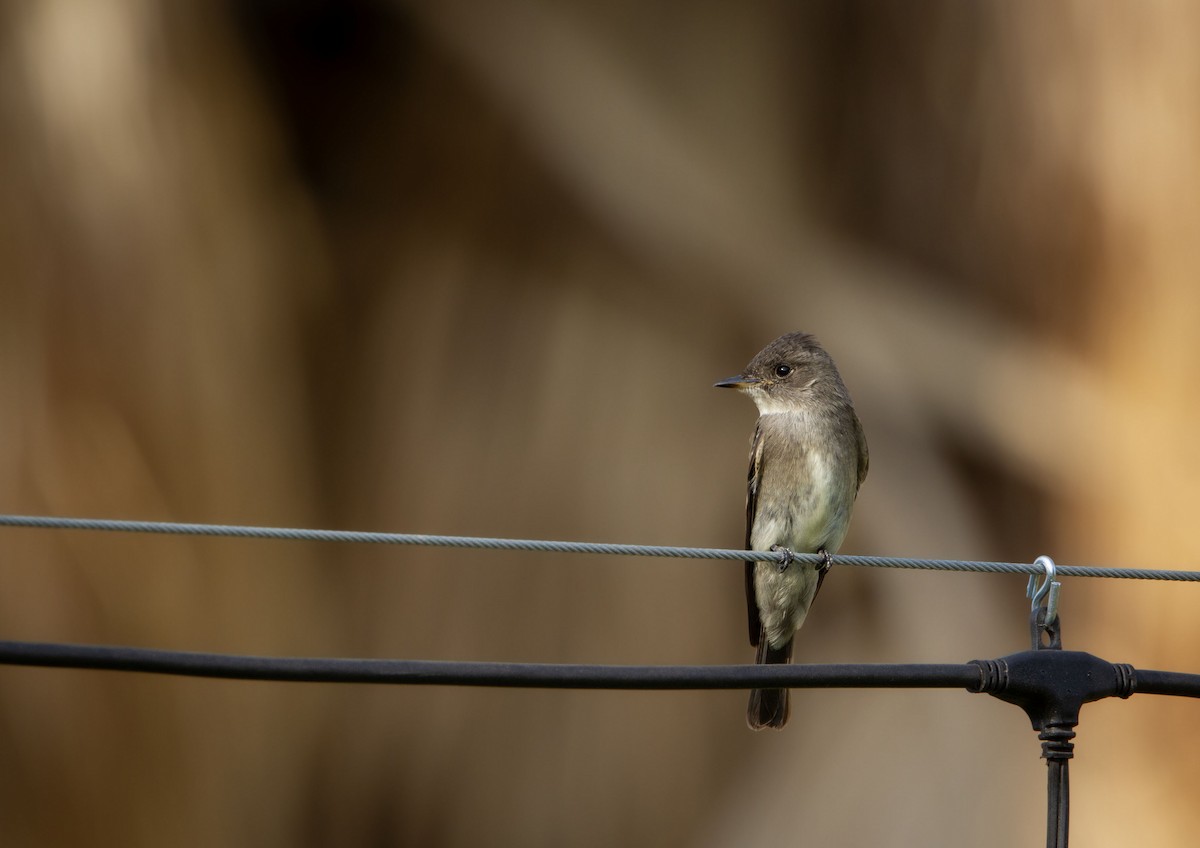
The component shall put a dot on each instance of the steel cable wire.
(479, 542)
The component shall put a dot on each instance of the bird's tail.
(769, 707)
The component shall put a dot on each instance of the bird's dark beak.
(741, 381)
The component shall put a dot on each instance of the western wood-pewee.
(807, 460)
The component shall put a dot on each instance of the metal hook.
(1047, 590)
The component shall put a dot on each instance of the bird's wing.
(864, 460)
(864, 457)
(752, 481)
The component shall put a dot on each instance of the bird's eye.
(782, 370)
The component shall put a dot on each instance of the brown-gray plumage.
(807, 461)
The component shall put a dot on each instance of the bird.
(808, 459)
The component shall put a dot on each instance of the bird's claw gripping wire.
(789, 557)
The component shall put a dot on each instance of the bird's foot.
(788, 556)
(826, 560)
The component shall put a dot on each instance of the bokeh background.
(472, 267)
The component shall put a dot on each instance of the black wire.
(532, 675)
(1058, 796)
(991, 676)
(538, 675)
(1150, 682)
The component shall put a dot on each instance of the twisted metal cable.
(478, 542)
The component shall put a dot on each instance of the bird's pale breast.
(804, 500)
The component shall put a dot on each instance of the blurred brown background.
(456, 267)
